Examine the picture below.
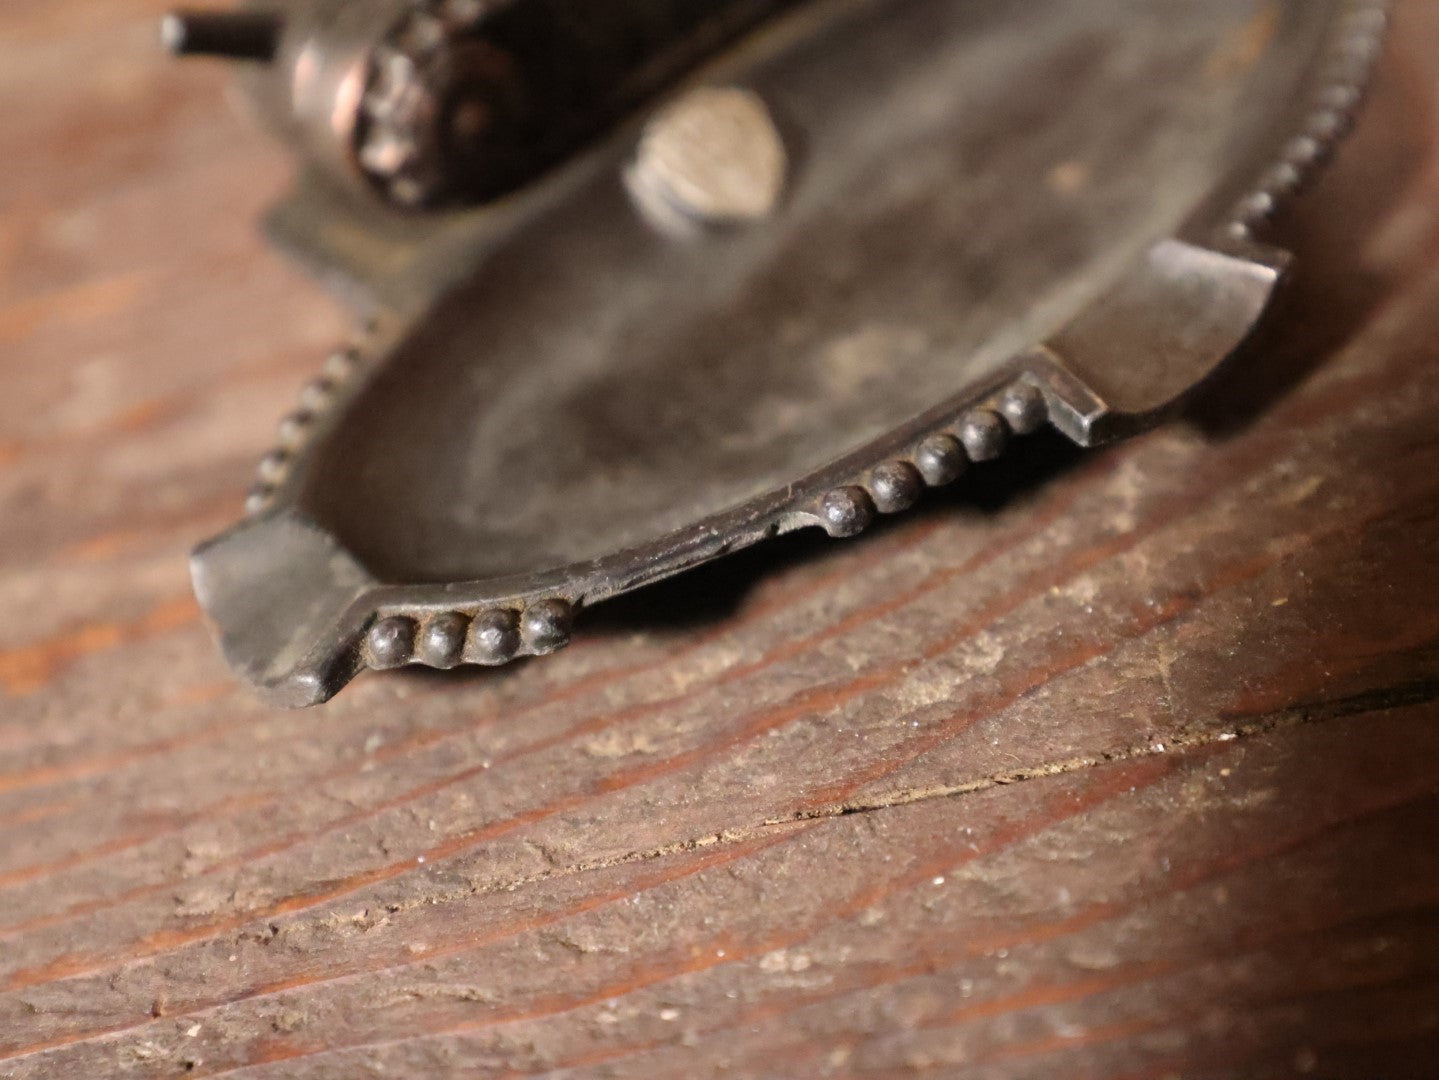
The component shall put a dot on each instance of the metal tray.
(994, 216)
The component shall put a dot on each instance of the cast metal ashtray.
(642, 283)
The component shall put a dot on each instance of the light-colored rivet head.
(711, 158)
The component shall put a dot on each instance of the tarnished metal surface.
(994, 216)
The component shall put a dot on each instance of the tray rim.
(382, 626)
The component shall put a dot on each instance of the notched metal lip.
(300, 646)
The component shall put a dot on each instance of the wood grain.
(1114, 766)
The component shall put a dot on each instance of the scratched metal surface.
(966, 176)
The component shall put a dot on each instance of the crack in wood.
(1414, 692)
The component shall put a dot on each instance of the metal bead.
(292, 429)
(896, 486)
(1339, 99)
(385, 152)
(494, 638)
(846, 511)
(1327, 125)
(259, 498)
(339, 365)
(1368, 21)
(462, 12)
(941, 459)
(1282, 179)
(408, 191)
(1303, 150)
(238, 35)
(316, 396)
(442, 642)
(546, 626)
(1257, 207)
(273, 466)
(1024, 408)
(391, 642)
(423, 33)
(983, 434)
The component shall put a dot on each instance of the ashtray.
(640, 284)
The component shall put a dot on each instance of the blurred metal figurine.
(642, 282)
(459, 100)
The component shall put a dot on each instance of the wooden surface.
(1132, 774)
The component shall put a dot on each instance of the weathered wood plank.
(1131, 774)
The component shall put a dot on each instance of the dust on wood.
(1132, 774)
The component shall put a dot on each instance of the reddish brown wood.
(1135, 774)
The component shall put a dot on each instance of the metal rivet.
(423, 34)
(713, 157)
(1024, 408)
(983, 434)
(941, 459)
(340, 365)
(1282, 179)
(408, 191)
(846, 511)
(463, 12)
(896, 486)
(259, 498)
(292, 429)
(391, 642)
(1338, 98)
(1257, 207)
(316, 396)
(494, 638)
(1303, 150)
(546, 626)
(442, 642)
(273, 466)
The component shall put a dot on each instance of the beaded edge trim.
(400, 634)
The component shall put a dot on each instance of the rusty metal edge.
(497, 620)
